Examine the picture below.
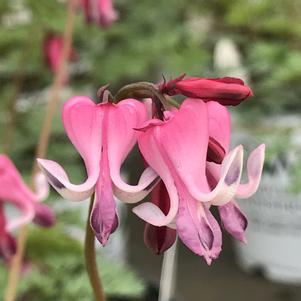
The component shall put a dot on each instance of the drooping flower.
(103, 134)
(15, 192)
(226, 90)
(234, 221)
(53, 47)
(102, 11)
(176, 148)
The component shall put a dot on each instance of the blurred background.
(257, 40)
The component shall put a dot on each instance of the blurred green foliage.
(55, 268)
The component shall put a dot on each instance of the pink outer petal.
(219, 123)
(185, 139)
(234, 220)
(128, 115)
(254, 168)
(82, 120)
(41, 186)
(150, 212)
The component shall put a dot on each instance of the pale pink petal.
(124, 118)
(59, 180)
(234, 220)
(230, 175)
(254, 168)
(198, 229)
(26, 216)
(103, 219)
(133, 194)
(41, 186)
(219, 123)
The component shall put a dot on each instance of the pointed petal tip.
(208, 260)
(244, 240)
(102, 239)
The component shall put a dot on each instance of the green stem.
(144, 90)
(90, 259)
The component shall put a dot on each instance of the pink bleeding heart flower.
(234, 221)
(100, 10)
(159, 239)
(103, 134)
(53, 47)
(176, 148)
(14, 191)
(226, 90)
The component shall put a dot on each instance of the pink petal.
(234, 220)
(150, 212)
(107, 13)
(59, 180)
(15, 191)
(185, 138)
(124, 118)
(254, 168)
(82, 120)
(198, 229)
(219, 123)
(104, 220)
(41, 186)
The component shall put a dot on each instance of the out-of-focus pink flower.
(7, 241)
(234, 221)
(176, 148)
(53, 47)
(102, 11)
(103, 134)
(227, 90)
(15, 192)
(159, 239)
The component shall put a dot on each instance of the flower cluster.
(15, 192)
(190, 167)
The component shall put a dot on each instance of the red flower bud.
(227, 90)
